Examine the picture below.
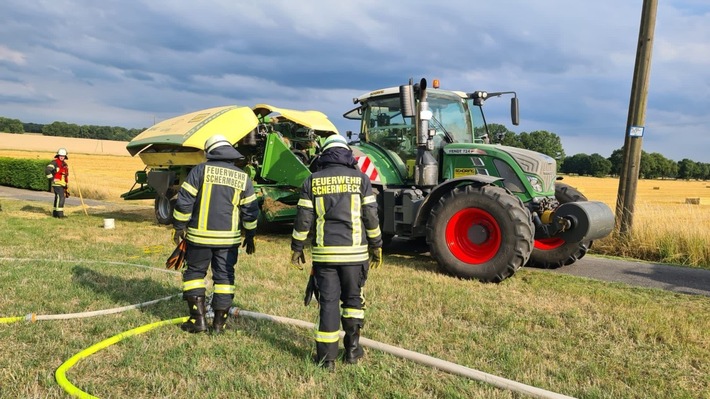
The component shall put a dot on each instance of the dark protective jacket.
(57, 172)
(216, 201)
(338, 204)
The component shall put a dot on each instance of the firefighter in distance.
(58, 175)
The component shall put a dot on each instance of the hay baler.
(277, 144)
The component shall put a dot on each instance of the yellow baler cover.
(315, 120)
(193, 129)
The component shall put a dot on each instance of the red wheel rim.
(547, 244)
(473, 236)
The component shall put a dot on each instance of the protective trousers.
(198, 259)
(59, 197)
(337, 283)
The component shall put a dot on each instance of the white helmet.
(335, 140)
(62, 152)
(216, 141)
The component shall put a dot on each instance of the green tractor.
(277, 144)
(485, 210)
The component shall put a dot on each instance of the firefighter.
(214, 204)
(58, 175)
(338, 203)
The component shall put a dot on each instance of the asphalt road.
(684, 280)
(46, 196)
(680, 279)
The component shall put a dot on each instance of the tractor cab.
(456, 117)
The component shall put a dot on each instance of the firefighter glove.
(375, 257)
(66, 193)
(249, 244)
(178, 236)
(298, 259)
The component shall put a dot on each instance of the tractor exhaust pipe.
(426, 169)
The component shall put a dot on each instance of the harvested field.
(37, 142)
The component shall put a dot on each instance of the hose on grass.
(61, 373)
(443, 365)
(32, 317)
(416, 357)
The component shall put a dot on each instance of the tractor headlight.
(535, 183)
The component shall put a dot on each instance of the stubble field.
(665, 227)
(579, 337)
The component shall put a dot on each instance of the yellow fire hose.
(443, 365)
(70, 388)
(426, 360)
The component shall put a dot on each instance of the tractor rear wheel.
(481, 233)
(552, 253)
(164, 206)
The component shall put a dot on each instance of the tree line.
(652, 166)
(63, 129)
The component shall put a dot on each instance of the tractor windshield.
(455, 119)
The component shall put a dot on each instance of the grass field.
(574, 336)
(577, 337)
(665, 228)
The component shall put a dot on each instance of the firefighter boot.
(326, 353)
(351, 340)
(196, 323)
(219, 321)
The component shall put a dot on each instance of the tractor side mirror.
(514, 111)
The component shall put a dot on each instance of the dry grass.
(665, 228)
(101, 177)
(575, 336)
(668, 193)
(579, 337)
(40, 143)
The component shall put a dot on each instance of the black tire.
(481, 233)
(387, 240)
(555, 252)
(164, 206)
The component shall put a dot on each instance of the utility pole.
(628, 180)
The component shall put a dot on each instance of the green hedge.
(23, 173)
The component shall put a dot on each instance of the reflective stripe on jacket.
(216, 200)
(337, 203)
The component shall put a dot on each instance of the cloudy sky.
(131, 63)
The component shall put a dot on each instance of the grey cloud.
(571, 63)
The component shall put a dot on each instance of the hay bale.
(656, 188)
(692, 201)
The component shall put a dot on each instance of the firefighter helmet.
(335, 140)
(216, 141)
(62, 152)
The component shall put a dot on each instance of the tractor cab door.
(384, 125)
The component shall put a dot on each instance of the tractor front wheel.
(554, 252)
(481, 233)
